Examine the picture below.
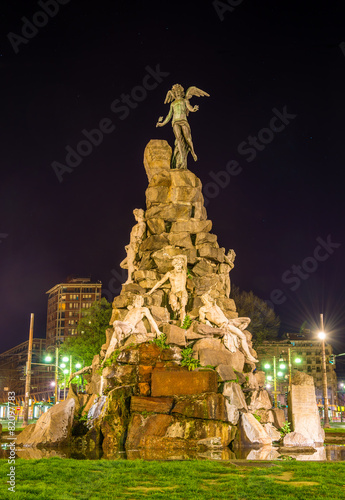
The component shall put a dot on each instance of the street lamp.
(322, 337)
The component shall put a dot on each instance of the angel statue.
(179, 110)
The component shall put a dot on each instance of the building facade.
(67, 302)
(12, 372)
(306, 356)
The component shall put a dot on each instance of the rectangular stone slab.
(179, 383)
(156, 405)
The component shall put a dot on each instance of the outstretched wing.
(195, 91)
(169, 97)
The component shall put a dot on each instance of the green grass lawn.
(335, 430)
(65, 479)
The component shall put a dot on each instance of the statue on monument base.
(178, 296)
(132, 324)
(179, 110)
(136, 237)
(210, 312)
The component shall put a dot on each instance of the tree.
(90, 333)
(264, 323)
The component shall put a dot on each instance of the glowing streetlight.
(280, 374)
(282, 366)
(78, 365)
(48, 359)
(65, 359)
(297, 360)
(267, 366)
(62, 365)
(322, 337)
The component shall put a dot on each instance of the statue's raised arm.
(179, 111)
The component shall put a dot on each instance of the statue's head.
(138, 213)
(138, 301)
(177, 90)
(179, 262)
(207, 299)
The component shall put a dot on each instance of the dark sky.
(264, 59)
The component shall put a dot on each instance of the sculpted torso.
(178, 281)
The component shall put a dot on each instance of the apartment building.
(67, 302)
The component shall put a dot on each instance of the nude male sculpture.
(132, 323)
(132, 248)
(213, 313)
(178, 297)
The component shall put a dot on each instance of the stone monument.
(177, 369)
(303, 411)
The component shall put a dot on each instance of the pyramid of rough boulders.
(184, 389)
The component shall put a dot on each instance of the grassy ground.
(335, 430)
(65, 479)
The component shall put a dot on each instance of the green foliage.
(90, 333)
(161, 341)
(264, 323)
(287, 458)
(188, 360)
(285, 429)
(258, 417)
(186, 322)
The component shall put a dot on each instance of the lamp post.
(322, 337)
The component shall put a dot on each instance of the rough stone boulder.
(170, 432)
(272, 432)
(157, 156)
(234, 393)
(210, 406)
(297, 439)
(260, 400)
(52, 429)
(179, 382)
(252, 432)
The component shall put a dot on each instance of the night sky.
(280, 204)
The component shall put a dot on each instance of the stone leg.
(244, 343)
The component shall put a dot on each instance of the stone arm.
(86, 369)
(167, 119)
(160, 282)
(190, 107)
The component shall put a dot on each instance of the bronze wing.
(191, 91)
(169, 97)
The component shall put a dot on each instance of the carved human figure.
(132, 323)
(178, 296)
(225, 270)
(211, 312)
(132, 248)
(179, 110)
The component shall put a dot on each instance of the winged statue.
(179, 111)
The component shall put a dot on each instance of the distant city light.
(298, 360)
